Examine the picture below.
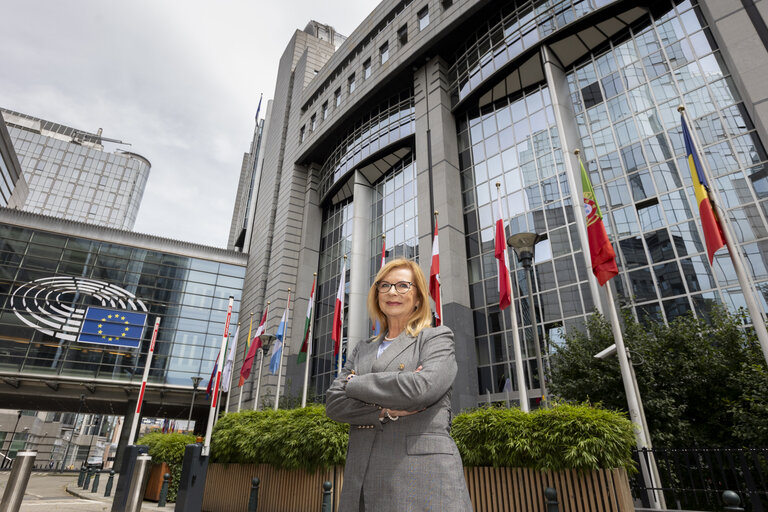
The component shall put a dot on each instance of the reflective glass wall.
(189, 294)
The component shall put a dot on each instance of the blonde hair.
(421, 316)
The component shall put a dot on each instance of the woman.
(395, 392)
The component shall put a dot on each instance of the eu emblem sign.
(112, 327)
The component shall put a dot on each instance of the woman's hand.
(396, 413)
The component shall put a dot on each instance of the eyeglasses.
(400, 287)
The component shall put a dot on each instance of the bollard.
(327, 506)
(87, 481)
(550, 498)
(732, 501)
(108, 490)
(138, 483)
(81, 477)
(17, 482)
(95, 487)
(164, 490)
(253, 501)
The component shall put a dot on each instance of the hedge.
(582, 437)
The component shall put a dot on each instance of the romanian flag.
(710, 224)
(600, 248)
(338, 311)
(434, 279)
(504, 280)
(307, 324)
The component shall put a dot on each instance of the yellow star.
(122, 334)
(122, 318)
(126, 322)
(100, 332)
(110, 339)
(103, 319)
(100, 326)
(109, 316)
(103, 337)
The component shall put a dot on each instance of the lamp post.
(524, 245)
(10, 443)
(195, 382)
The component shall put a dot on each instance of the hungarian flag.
(434, 279)
(277, 350)
(600, 248)
(505, 281)
(338, 311)
(256, 344)
(305, 346)
(710, 224)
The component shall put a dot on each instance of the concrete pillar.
(358, 324)
(125, 432)
(439, 188)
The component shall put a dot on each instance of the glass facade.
(70, 176)
(335, 243)
(189, 294)
(625, 100)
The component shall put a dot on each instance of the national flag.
(106, 326)
(338, 311)
(277, 350)
(226, 374)
(600, 248)
(209, 388)
(256, 344)
(504, 280)
(434, 279)
(710, 223)
(307, 324)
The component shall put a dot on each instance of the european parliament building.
(429, 103)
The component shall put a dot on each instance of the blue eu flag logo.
(113, 327)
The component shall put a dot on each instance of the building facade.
(71, 176)
(13, 186)
(52, 271)
(429, 104)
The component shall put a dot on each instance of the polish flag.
(338, 311)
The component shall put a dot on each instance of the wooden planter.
(155, 481)
(228, 486)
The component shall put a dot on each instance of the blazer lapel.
(366, 356)
(394, 350)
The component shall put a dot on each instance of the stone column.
(358, 323)
(439, 188)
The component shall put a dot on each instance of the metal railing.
(695, 478)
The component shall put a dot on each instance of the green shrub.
(291, 439)
(168, 448)
(563, 437)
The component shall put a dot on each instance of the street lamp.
(195, 382)
(10, 443)
(524, 245)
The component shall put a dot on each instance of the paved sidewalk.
(74, 490)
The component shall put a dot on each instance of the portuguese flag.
(600, 248)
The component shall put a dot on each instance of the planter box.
(155, 481)
(228, 487)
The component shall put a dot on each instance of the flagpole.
(261, 366)
(221, 386)
(309, 348)
(214, 401)
(341, 316)
(247, 346)
(521, 385)
(282, 350)
(147, 365)
(758, 320)
(232, 373)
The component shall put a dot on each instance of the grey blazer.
(411, 464)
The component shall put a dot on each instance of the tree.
(702, 382)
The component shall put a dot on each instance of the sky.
(177, 79)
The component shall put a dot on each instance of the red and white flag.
(434, 279)
(256, 344)
(376, 327)
(504, 282)
(338, 311)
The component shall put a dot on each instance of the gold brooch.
(402, 366)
